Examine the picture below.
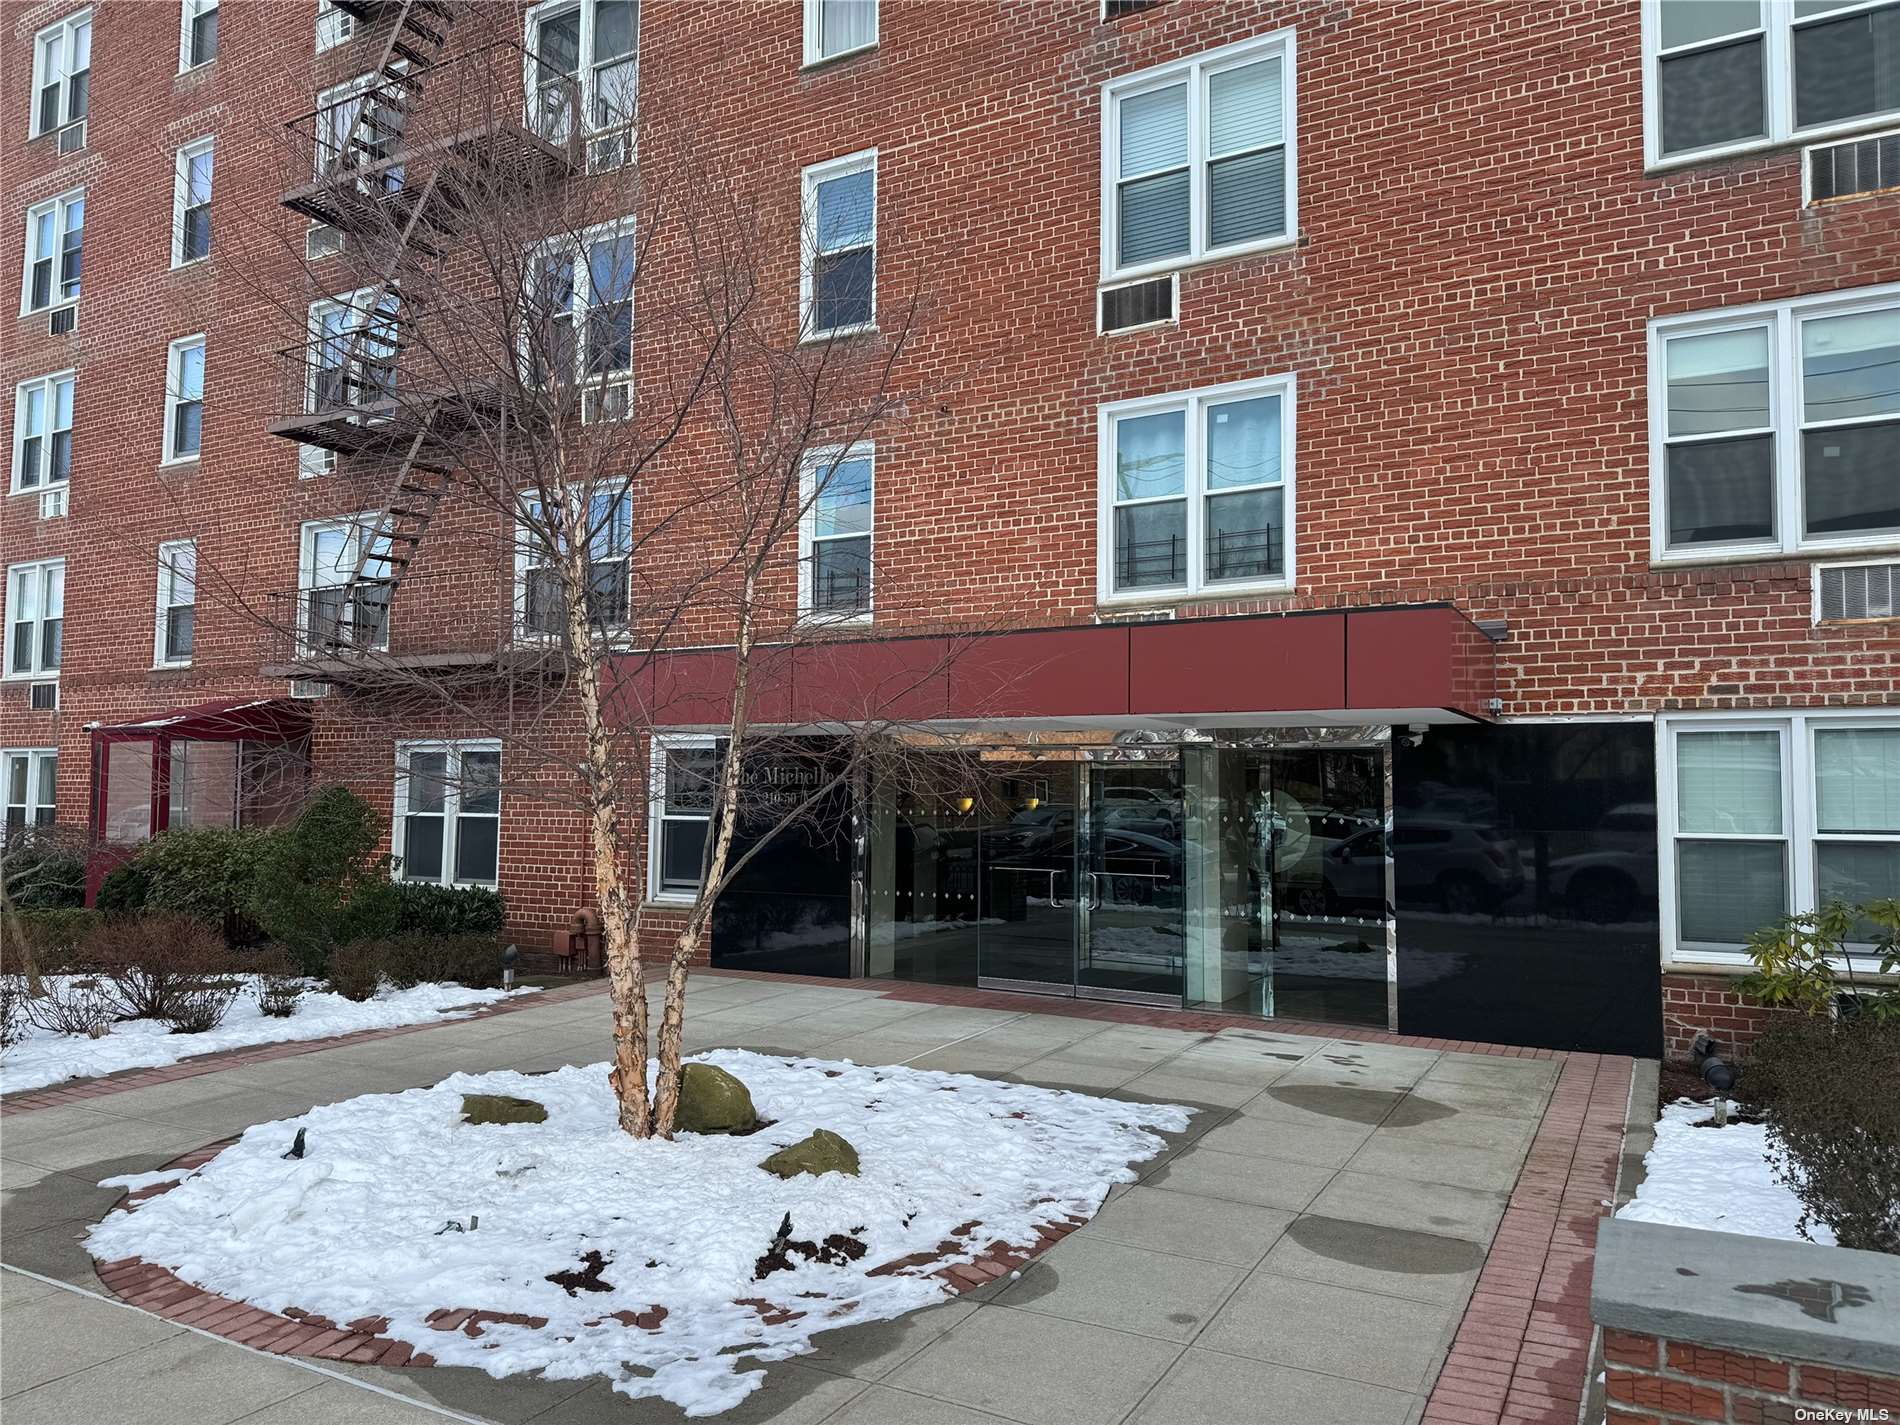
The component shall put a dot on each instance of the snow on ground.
(41, 1058)
(359, 1227)
(1717, 1179)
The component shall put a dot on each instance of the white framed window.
(55, 235)
(1197, 492)
(334, 26)
(1766, 815)
(834, 28)
(838, 277)
(176, 624)
(680, 792)
(1776, 428)
(62, 73)
(603, 519)
(191, 203)
(1198, 158)
(36, 615)
(378, 140)
(834, 533)
(448, 812)
(1723, 76)
(579, 310)
(337, 609)
(27, 783)
(197, 33)
(43, 431)
(184, 399)
(584, 53)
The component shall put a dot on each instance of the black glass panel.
(1851, 476)
(841, 289)
(1713, 96)
(1524, 864)
(422, 848)
(1848, 67)
(1721, 490)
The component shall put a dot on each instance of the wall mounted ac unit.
(43, 697)
(308, 688)
(607, 403)
(1139, 304)
(321, 241)
(1849, 593)
(72, 138)
(53, 502)
(62, 322)
(1852, 168)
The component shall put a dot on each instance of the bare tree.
(584, 401)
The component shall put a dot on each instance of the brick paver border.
(295, 1332)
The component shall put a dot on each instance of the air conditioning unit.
(1139, 304)
(53, 503)
(72, 138)
(1851, 593)
(1852, 168)
(43, 697)
(1113, 10)
(62, 322)
(607, 403)
(322, 241)
(305, 689)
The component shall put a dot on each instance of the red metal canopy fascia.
(232, 720)
(1373, 660)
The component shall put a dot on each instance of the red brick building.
(1448, 458)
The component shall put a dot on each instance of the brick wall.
(1650, 1381)
(1694, 1005)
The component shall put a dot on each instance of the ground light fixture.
(510, 956)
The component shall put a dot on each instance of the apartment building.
(1415, 487)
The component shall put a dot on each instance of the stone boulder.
(713, 1101)
(823, 1152)
(499, 1108)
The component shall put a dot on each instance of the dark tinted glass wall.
(1524, 860)
(789, 909)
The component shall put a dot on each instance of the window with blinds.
(1198, 158)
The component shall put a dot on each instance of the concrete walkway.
(1303, 1253)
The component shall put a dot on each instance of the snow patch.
(352, 1229)
(41, 1057)
(1717, 1179)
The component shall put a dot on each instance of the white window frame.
(814, 35)
(1194, 404)
(334, 26)
(863, 161)
(175, 398)
(587, 77)
(1777, 31)
(451, 813)
(1796, 731)
(188, 11)
(181, 196)
(657, 815)
(1196, 70)
(574, 247)
(48, 388)
(823, 462)
(59, 206)
(51, 576)
(35, 759)
(66, 30)
(528, 547)
(1782, 321)
(177, 566)
(357, 527)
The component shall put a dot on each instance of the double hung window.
(55, 236)
(448, 812)
(191, 203)
(684, 783)
(62, 73)
(580, 308)
(177, 602)
(838, 27)
(584, 55)
(27, 778)
(343, 602)
(835, 533)
(840, 245)
(603, 520)
(43, 431)
(184, 399)
(36, 613)
(197, 33)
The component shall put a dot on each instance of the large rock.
(499, 1108)
(713, 1101)
(823, 1152)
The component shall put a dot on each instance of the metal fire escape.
(385, 181)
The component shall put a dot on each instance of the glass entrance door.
(1133, 918)
(1026, 930)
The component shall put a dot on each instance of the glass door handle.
(1055, 902)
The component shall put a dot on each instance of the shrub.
(1794, 959)
(424, 909)
(356, 971)
(160, 965)
(12, 1010)
(472, 960)
(73, 1004)
(49, 940)
(279, 984)
(122, 891)
(202, 1004)
(210, 874)
(42, 874)
(322, 883)
(1825, 1089)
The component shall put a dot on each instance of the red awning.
(1403, 664)
(233, 720)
